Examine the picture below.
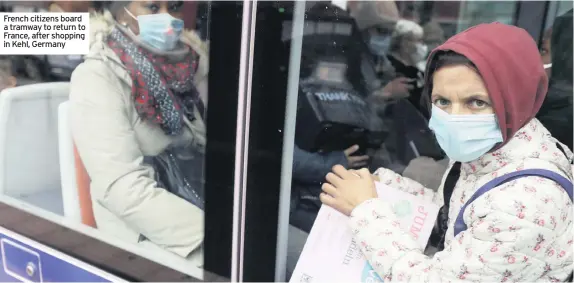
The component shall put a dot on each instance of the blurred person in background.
(138, 95)
(556, 111)
(376, 20)
(7, 78)
(433, 36)
(507, 198)
(406, 51)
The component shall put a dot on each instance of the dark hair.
(439, 60)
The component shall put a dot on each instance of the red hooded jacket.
(508, 60)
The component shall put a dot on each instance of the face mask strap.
(130, 13)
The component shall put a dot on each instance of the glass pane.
(359, 96)
(114, 140)
(556, 52)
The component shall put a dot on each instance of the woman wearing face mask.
(406, 53)
(141, 91)
(507, 195)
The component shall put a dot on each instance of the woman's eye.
(175, 6)
(441, 102)
(475, 103)
(154, 8)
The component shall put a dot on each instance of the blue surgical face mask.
(380, 44)
(160, 31)
(465, 138)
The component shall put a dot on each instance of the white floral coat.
(519, 231)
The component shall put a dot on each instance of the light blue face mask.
(465, 138)
(380, 44)
(160, 31)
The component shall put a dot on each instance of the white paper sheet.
(330, 254)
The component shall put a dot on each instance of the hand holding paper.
(330, 253)
(346, 189)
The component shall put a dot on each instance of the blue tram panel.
(24, 260)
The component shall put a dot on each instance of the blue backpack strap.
(566, 184)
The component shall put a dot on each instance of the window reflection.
(395, 40)
(116, 138)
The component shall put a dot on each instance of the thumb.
(351, 150)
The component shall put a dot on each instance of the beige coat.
(112, 140)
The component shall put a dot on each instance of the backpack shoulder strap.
(566, 184)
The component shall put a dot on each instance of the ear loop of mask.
(126, 24)
(130, 13)
(547, 66)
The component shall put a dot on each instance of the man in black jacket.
(556, 111)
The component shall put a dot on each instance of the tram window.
(392, 132)
(115, 141)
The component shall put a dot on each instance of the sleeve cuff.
(370, 210)
(382, 173)
(364, 208)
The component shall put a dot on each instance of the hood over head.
(508, 61)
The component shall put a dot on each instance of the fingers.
(329, 189)
(408, 86)
(327, 199)
(333, 179)
(405, 80)
(358, 158)
(357, 164)
(342, 172)
(364, 173)
(358, 161)
(351, 150)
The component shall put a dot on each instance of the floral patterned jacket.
(519, 231)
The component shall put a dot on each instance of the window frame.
(98, 249)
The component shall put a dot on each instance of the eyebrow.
(478, 96)
(437, 95)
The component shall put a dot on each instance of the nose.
(459, 108)
(454, 109)
(163, 10)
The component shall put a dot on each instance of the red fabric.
(84, 195)
(510, 65)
